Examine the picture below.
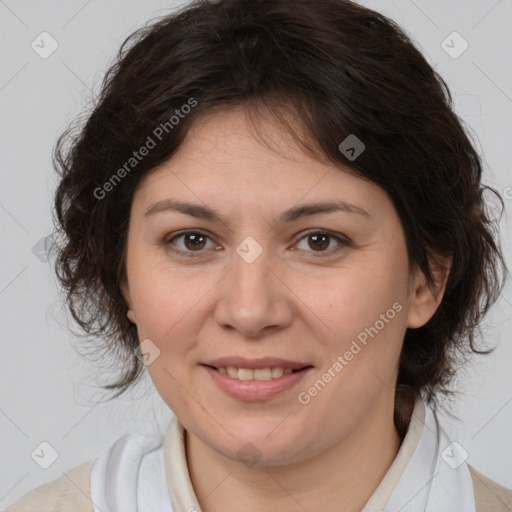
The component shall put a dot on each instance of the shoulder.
(490, 496)
(69, 492)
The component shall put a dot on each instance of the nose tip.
(252, 299)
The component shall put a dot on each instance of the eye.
(193, 242)
(320, 241)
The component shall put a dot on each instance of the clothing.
(142, 473)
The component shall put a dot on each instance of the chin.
(267, 441)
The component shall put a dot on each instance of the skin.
(295, 301)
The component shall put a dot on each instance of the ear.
(125, 290)
(424, 302)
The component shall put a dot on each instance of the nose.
(254, 299)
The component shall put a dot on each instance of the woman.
(274, 209)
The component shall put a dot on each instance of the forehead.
(225, 165)
(229, 145)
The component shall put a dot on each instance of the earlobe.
(422, 306)
(126, 294)
(424, 302)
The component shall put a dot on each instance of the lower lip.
(252, 390)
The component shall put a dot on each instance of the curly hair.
(339, 69)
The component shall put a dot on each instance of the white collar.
(142, 473)
(437, 477)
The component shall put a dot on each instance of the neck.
(340, 479)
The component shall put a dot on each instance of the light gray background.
(49, 393)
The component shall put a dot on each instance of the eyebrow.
(295, 213)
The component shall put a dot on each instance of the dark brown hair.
(337, 68)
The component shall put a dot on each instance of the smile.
(253, 384)
(256, 374)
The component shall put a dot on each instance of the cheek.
(168, 310)
(166, 298)
(357, 299)
(367, 322)
(365, 311)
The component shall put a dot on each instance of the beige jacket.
(71, 492)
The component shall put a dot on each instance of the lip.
(255, 390)
(253, 364)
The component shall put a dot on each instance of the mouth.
(255, 379)
(267, 373)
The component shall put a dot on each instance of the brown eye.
(189, 242)
(322, 242)
(194, 241)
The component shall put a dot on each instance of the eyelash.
(343, 242)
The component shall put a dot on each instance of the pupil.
(325, 244)
(195, 240)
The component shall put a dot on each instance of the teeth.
(277, 372)
(258, 374)
(245, 374)
(232, 372)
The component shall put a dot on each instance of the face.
(307, 306)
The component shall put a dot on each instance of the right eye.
(192, 242)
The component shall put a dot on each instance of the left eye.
(319, 241)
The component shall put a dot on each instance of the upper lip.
(261, 362)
